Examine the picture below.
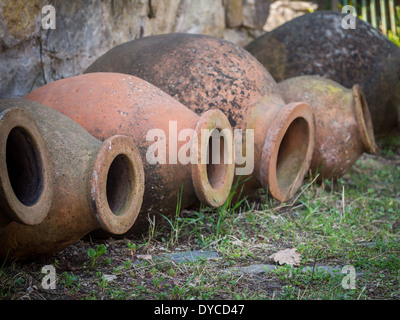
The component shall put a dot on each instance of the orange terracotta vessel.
(204, 72)
(96, 185)
(344, 128)
(26, 171)
(110, 103)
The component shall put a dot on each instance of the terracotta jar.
(317, 44)
(96, 185)
(111, 103)
(343, 123)
(26, 172)
(204, 72)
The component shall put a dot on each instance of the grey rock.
(252, 269)
(265, 268)
(201, 17)
(255, 13)
(190, 256)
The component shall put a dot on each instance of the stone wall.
(285, 10)
(31, 56)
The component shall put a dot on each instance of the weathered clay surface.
(87, 176)
(343, 123)
(106, 104)
(203, 73)
(316, 44)
(26, 170)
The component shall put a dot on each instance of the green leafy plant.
(132, 246)
(127, 264)
(71, 281)
(102, 282)
(95, 254)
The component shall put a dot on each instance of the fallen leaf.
(287, 256)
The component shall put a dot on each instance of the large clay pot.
(343, 123)
(110, 103)
(26, 171)
(96, 185)
(317, 44)
(205, 72)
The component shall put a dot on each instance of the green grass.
(354, 221)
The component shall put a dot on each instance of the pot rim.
(364, 120)
(32, 206)
(284, 119)
(212, 187)
(128, 175)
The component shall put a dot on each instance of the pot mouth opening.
(213, 162)
(292, 152)
(24, 166)
(26, 170)
(288, 150)
(117, 184)
(364, 120)
(216, 168)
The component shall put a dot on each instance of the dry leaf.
(287, 256)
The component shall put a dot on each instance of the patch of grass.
(177, 223)
(354, 221)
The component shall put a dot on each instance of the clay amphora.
(317, 44)
(204, 72)
(111, 103)
(344, 128)
(96, 185)
(26, 171)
